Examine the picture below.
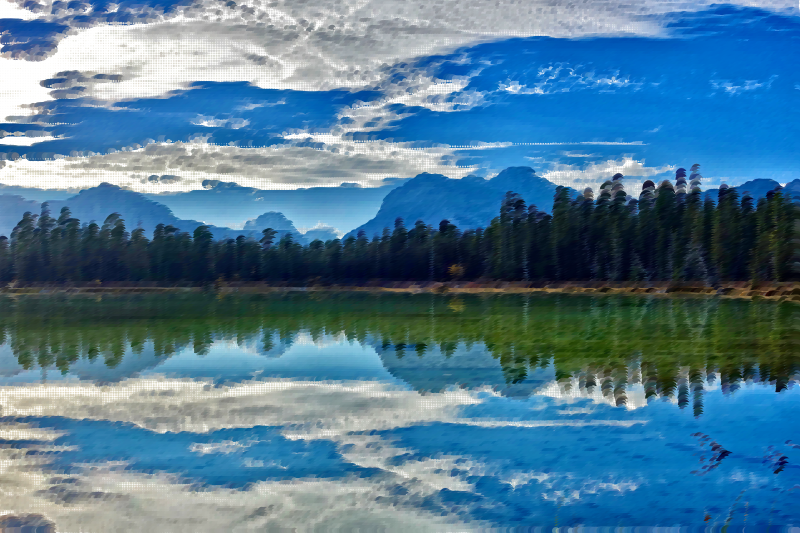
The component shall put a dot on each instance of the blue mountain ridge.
(758, 188)
(469, 203)
(96, 203)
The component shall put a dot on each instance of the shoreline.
(786, 291)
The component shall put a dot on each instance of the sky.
(289, 94)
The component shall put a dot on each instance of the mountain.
(322, 233)
(469, 202)
(229, 204)
(793, 189)
(12, 207)
(758, 188)
(97, 203)
(273, 220)
(276, 221)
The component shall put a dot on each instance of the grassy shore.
(771, 291)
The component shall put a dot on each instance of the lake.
(400, 412)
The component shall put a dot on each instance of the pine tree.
(563, 245)
(137, 256)
(727, 233)
(22, 243)
(6, 261)
(202, 259)
(664, 211)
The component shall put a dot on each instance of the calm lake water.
(400, 412)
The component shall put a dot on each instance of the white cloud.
(255, 105)
(743, 86)
(310, 46)
(321, 226)
(307, 410)
(313, 45)
(595, 173)
(211, 122)
(562, 78)
(576, 154)
(309, 407)
(286, 166)
(108, 497)
(345, 412)
(224, 447)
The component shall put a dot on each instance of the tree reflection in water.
(671, 348)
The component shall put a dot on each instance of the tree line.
(670, 233)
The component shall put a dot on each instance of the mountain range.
(96, 203)
(469, 203)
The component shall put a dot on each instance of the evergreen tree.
(91, 253)
(138, 258)
(202, 258)
(727, 233)
(6, 261)
(664, 212)
(645, 233)
(562, 241)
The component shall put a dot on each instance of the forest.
(670, 233)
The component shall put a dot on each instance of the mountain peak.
(270, 219)
(516, 177)
(427, 177)
(469, 202)
(517, 170)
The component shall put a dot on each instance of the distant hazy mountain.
(272, 220)
(759, 188)
(792, 189)
(97, 203)
(228, 204)
(276, 221)
(12, 207)
(469, 203)
(324, 233)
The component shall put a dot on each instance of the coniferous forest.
(670, 233)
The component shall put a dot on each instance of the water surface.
(395, 412)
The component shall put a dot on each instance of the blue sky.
(302, 94)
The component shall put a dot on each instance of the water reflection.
(614, 346)
(399, 412)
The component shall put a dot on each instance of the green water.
(582, 336)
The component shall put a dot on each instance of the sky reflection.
(300, 426)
